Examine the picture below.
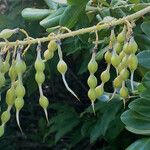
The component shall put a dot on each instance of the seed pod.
(2, 79)
(20, 91)
(39, 65)
(105, 76)
(124, 74)
(108, 56)
(122, 55)
(5, 117)
(126, 48)
(19, 103)
(92, 66)
(124, 61)
(40, 77)
(7, 33)
(115, 60)
(118, 47)
(48, 55)
(120, 67)
(112, 36)
(99, 90)
(117, 82)
(2, 128)
(92, 81)
(43, 102)
(92, 95)
(122, 35)
(52, 46)
(124, 92)
(10, 96)
(132, 62)
(133, 45)
(12, 72)
(62, 67)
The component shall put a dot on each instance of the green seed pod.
(48, 55)
(126, 48)
(121, 36)
(99, 90)
(132, 62)
(105, 76)
(43, 102)
(92, 81)
(112, 37)
(92, 95)
(20, 91)
(6, 67)
(62, 67)
(108, 56)
(39, 65)
(122, 55)
(52, 46)
(118, 47)
(2, 79)
(40, 77)
(115, 60)
(120, 67)
(12, 72)
(7, 33)
(124, 92)
(2, 128)
(124, 74)
(19, 103)
(124, 61)
(10, 96)
(117, 82)
(5, 116)
(133, 45)
(92, 66)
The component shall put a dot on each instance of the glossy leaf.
(145, 26)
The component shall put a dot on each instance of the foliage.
(72, 124)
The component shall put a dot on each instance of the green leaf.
(145, 26)
(144, 58)
(35, 14)
(136, 121)
(76, 2)
(142, 144)
(145, 94)
(70, 16)
(146, 80)
(51, 4)
(141, 106)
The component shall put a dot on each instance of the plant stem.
(97, 27)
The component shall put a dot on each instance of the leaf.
(70, 16)
(51, 4)
(141, 106)
(136, 121)
(144, 58)
(76, 2)
(145, 26)
(142, 144)
(146, 80)
(145, 94)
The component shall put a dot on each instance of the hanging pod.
(5, 117)
(62, 67)
(10, 96)
(124, 74)
(48, 55)
(2, 129)
(92, 65)
(52, 46)
(7, 33)
(107, 57)
(118, 47)
(122, 35)
(99, 90)
(105, 76)
(92, 81)
(115, 60)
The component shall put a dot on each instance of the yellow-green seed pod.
(122, 55)
(62, 67)
(20, 90)
(133, 45)
(39, 65)
(40, 77)
(6, 67)
(20, 67)
(48, 55)
(118, 47)
(2, 79)
(2, 129)
(52, 46)
(124, 92)
(5, 116)
(115, 60)
(19, 103)
(43, 101)
(122, 35)
(126, 48)
(7, 33)
(105, 76)
(132, 62)
(124, 74)
(12, 73)
(10, 96)
(99, 90)
(120, 67)
(92, 81)
(108, 56)
(117, 82)
(112, 37)
(124, 61)
(92, 95)
(92, 66)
